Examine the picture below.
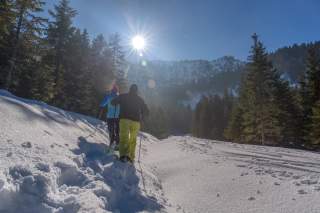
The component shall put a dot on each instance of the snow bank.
(199, 175)
(55, 161)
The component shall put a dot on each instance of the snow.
(211, 176)
(55, 161)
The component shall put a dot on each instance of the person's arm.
(104, 102)
(144, 109)
(116, 100)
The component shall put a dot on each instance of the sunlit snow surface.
(55, 161)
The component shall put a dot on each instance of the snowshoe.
(125, 159)
(116, 147)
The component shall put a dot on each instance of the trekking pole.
(142, 177)
(139, 148)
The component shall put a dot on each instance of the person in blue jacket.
(112, 116)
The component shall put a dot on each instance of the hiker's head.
(133, 89)
(115, 89)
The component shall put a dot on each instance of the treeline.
(268, 110)
(211, 116)
(53, 61)
(291, 60)
(163, 121)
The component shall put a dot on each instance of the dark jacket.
(132, 106)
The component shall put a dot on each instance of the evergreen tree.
(310, 95)
(118, 60)
(60, 33)
(234, 129)
(290, 114)
(100, 62)
(313, 76)
(78, 82)
(157, 122)
(6, 18)
(258, 103)
(315, 126)
(26, 30)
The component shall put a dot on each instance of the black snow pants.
(113, 127)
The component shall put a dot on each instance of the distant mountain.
(187, 72)
(197, 77)
(290, 60)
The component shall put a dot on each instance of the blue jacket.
(113, 111)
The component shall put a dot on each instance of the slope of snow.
(210, 176)
(55, 161)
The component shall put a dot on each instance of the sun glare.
(138, 42)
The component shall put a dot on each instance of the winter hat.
(115, 89)
(133, 89)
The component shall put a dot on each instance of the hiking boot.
(124, 159)
(130, 160)
(116, 147)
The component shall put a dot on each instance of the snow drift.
(55, 161)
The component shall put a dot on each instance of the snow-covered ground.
(211, 176)
(55, 161)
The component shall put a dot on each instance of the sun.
(138, 42)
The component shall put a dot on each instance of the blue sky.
(201, 29)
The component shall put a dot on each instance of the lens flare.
(152, 84)
(138, 42)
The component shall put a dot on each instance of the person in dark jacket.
(133, 109)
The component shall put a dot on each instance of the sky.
(201, 29)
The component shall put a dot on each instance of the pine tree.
(6, 18)
(100, 65)
(60, 33)
(101, 61)
(310, 95)
(234, 129)
(290, 114)
(119, 64)
(313, 76)
(27, 29)
(258, 104)
(77, 89)
(314, 135)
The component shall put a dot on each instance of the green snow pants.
(128, 137)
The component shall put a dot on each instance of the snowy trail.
(209, 176)
(53, 161)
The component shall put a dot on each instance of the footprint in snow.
(26, 144)
(309, 182)
(47, 132)
(276, 184)
(242, 166)
(302, 192)
(317, 188)
(251, 198)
